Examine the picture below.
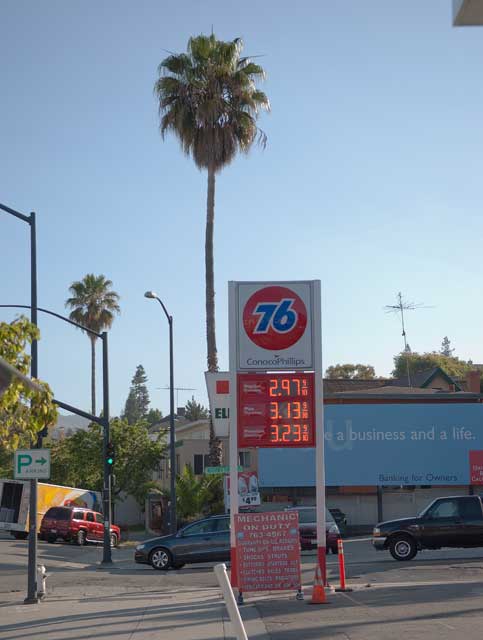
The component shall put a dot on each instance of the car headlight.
(140, 547)
(333, 528)
(377, 532)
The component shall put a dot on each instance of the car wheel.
(113, 539)
(20, 535)
(51, 538)
(178, 565)
(81, 538)
(402, 548)
(160, 559)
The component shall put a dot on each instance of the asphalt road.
(80, 566)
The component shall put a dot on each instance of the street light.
(103, 421)
(172, 450)
(32, 597)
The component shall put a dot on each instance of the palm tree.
(93, 305)
(208, 98)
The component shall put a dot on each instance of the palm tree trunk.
(93, 374)
(212, 356)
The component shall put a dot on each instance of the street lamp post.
(32, 597)
(103, 421)
(172, 443)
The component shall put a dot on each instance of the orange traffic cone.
(318, 592)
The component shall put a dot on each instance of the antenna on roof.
(177, 389)
(400, 308)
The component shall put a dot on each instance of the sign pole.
(319, 437)
(233, 426)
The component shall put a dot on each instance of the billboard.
(386, 444)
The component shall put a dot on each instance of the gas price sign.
(276, 410)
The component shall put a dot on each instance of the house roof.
(423, 379)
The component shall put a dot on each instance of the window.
(78, 515)
(99, 518)
(89, 517)
(198, 466)
(470, 509)
(58, 513)
(223, 524)
(443, 509)
(200, 462)
(245, 458)
(206, 526)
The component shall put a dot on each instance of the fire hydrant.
(41, 581)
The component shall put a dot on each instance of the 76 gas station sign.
(274, 326)
(276, 395)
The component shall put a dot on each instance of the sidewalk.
(116, 614)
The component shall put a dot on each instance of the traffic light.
(110, 454)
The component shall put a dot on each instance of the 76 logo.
(274, 317)
(281, 316)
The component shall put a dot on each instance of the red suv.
(74, 524)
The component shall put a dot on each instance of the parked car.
(308, 528)
(73, 524)
(446, 522)
(201, 541)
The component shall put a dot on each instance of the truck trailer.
(15, 501)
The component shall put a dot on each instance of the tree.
(77, 461)
(446, 349)
(153, 416)
(418, 362)
(195, 411)
(208, 98)
(196, 498)
(215, 453)
(23, 411)
(351, 371)
(93, 305)
(137, 403)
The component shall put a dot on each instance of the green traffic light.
(110, 461)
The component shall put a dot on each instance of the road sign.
(31, 464)
(213, 470)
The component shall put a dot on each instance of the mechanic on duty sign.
(275, 324)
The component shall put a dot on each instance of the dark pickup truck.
(446, 522)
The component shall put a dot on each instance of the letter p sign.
(30, 464)
(23, 460)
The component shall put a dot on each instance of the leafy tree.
(93, 305)
(196, 498)
(153, 416)
(446, 349)
(351, 371)
(208, 98)
(77, 460)
(417, 362)
(23, 412)
(137, 403)
(195, 411)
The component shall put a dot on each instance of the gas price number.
(276, 410)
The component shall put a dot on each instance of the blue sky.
(371, 180)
